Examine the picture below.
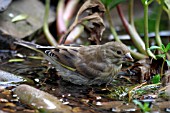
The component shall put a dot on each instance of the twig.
(130, 92)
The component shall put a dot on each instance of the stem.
(146, 26)
(138, 55)
(60, 23)
(158, 39)
(131, 19)
(146, 31)
(167, 11)
(69, 10)
(150, 2)
(162, 68)
(111, 25)
(64, 37)
(123, 19)
(47, 33)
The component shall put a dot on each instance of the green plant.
(141, 45)
(164, 51)
(156, 79)
(146, 4)
(144, 107)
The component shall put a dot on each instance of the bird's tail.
(45, 50)
(33, 46)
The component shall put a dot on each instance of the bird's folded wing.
(66, 56)
(93, 69)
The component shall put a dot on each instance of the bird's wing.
(91, 64)
(93, 69)
(67, 55)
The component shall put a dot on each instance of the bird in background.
(85, 65)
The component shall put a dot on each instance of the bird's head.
(116, 52)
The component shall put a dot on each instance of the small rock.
(40, 99)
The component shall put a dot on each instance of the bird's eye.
(119, 52)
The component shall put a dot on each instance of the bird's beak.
(128, 57)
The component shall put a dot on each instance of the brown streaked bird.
(85, 65)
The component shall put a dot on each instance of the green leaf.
(163, 48)
(106, 2)
(155, 47)
(156, 79)
(111, 3)
(16, 60)
(36, 57)
(19, 17)
(143, 1)
(146, 107)
(161, 56)
(138, 103)
(167, 2)
(146, 2)
(167, 47)
(115, 3)
(168, 62)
